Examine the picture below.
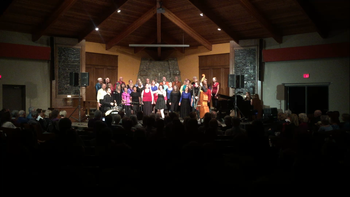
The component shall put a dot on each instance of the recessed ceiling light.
(201, 14)
(119, 11)
(96, 29)
(219, 29)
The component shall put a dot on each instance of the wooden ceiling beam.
(140, 21)
(177, 21)
(262, 20)
(104, 16)
(208, 12)
(159, 30)
(170, 40)
(312, 15)
(5, 5)
(66, 5)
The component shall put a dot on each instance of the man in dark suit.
(108, 101)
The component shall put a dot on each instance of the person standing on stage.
(98, 84)
(107, 80)
(195, 98)
(208, 92)
(136, 100)
(182, 88)
(156, 82)
(100, 95)
(215, 92)
(154, 88)
(130, 86)
(165, 84)
(177, 83)
(139, 86)
(147, 81)
(126, 101)
(185, 103)
(161, 101)
(117, 94)
(168, 92)
(174, 99)
(121, 81)
(147, 100)
(108, 101)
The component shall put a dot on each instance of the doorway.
(14, 97)
(306, 98)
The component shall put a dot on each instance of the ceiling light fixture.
(96, 29)
(160, 9)
(201, 14)
(159, 45)
(219, 29)
(119, 11)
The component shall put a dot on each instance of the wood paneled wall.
(216, 66)
(100, 65)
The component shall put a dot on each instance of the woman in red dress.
(215, 92)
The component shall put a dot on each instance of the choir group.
(152, 97)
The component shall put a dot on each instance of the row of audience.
(147, 155)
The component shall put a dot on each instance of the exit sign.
(306, 75)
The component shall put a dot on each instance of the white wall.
(34, 74)
(332, 70)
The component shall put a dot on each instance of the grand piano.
(227, 103)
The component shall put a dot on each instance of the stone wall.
(158, 69)
(246, 63)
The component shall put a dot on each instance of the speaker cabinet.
(235, 81)
(239, 81)
(231, 81)
(84, 79)
(74, 79)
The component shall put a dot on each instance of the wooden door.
(100, 65)
(216, 66)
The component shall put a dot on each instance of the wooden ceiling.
(138, 21)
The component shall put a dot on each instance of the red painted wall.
(307, 52)
(24, 51)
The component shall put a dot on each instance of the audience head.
(109, 120)
(317, 113)
(35, 114)
(294, 119)
(98, 115)
(139, 115)
(288, 113)
(133, 119)
(22, 113)
(14, 113)
(54, 114)
(228, 120)
(325, 120)
(117, 119)
(5, 117)
(63, 113)
(236, 122)
(64, 124)
(193, 115)
(47, 114)
(345, 117)
(303, 118)
(127, 123)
